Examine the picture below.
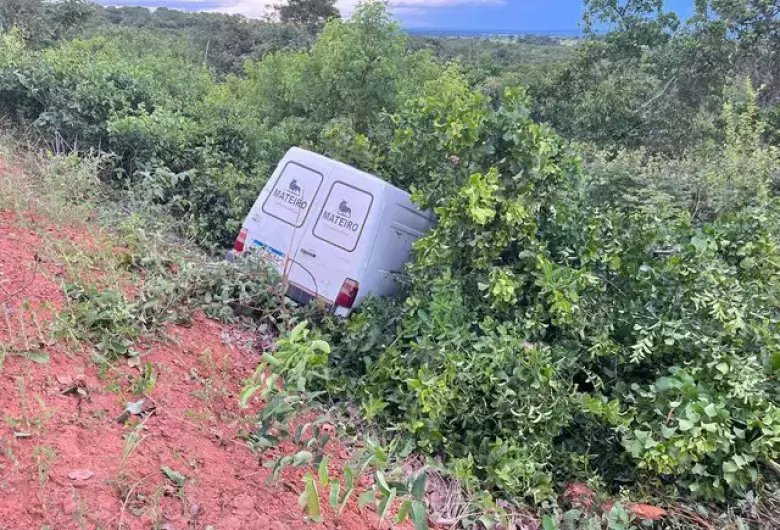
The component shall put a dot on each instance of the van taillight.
(347, 294)
(240, 240)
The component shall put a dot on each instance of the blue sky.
(506, 15)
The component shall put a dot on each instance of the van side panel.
(402, 224)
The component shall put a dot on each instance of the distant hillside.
(226, 42)
(537, 37)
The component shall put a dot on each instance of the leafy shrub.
(543, 334)
(72, 91)
(179, 280)
(355, 70)
(300, 360)
(717, 179)
(223, 290)
(174, 286)
(153, 139)
(103, 317)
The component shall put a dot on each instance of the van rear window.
(343, 215)
(293, 193)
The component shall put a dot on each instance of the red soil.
(52, 442)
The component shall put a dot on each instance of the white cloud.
(250, 8)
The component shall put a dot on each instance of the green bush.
(545, 335)
(72, 91)
(208, 148)
(355, 70)
(717, 179)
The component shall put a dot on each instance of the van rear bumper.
(304, 297)
(301, 296)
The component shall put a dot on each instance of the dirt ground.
(65, 460)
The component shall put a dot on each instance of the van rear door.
(279, 216)
(333, 250)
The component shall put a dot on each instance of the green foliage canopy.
(311, 14)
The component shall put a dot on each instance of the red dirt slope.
(66, 463)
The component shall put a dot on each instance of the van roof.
(309, 154)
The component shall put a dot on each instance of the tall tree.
(44, 21)
(755, 26)
(25, 14)
(642, 78)
(311, 14)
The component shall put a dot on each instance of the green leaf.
(335, 491)
(366, 498)
(280, 465)
(174, 476)
(487, 522)
(323, 472)
(699, 243)
(382, 483)
(349, 487)
(299, 432)
(320, 345)
(303, 499)
(349, 477)
(247, 393)
(548, 523)
(298, 330)
(403, 511)
(302, 458)
(685, 425)
(311, 504)
(419, 516)
(618, 517)
(384, 506)
(407, 449)
(367, 462)
(418, 485)
(266, 442)
(36, 356)
(270, 359)
(774, 362)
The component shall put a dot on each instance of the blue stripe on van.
(271, 249)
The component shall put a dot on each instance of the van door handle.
(309, 253)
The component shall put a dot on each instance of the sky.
(476, 15)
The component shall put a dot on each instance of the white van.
(335, 232)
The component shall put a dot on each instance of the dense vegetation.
(602, 310)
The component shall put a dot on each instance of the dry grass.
(64, 188)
